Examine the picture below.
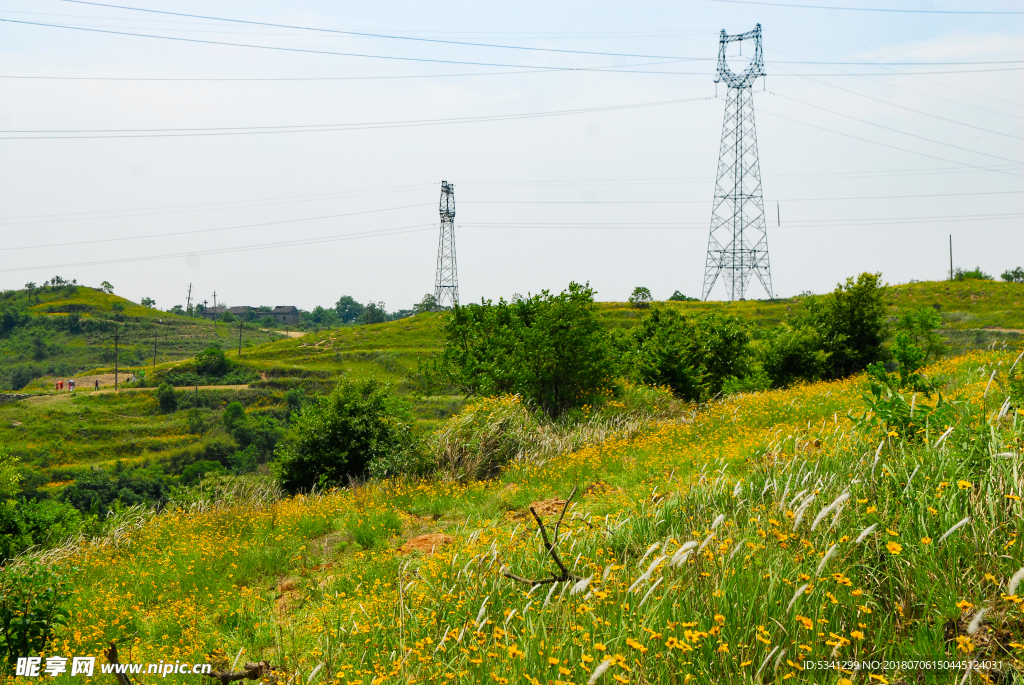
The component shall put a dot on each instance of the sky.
(293, 163)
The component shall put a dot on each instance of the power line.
(915, 111)
(206, 230)
(376, 35)
(894, 130)
(179, 209)
(704, 201)
(305, 50)
(265, 246)
(315, 128)
(862, 9)
(891, 147)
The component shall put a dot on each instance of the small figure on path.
(97, 384)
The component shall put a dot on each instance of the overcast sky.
(873, 149)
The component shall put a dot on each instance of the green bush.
(549, 349)
(167, 398)
(789, 354)
(97, 492)
(195, 472)
(695, 356)
(339, 435)
(641, 297)
(1010, 276)
(260, 432)
(211, 362)
(975, 274)
(851, 322)
(31, 609)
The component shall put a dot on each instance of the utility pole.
(951, 256)
(738, 243)
(156, 332)
(116, 339)
(214, 307)
(188, 301)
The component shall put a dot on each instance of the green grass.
(277, 579)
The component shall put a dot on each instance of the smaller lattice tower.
(738, 244)
(446, 285)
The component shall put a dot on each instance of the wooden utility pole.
(951, 256)
(214, 307)
(116, 339)
(188, 301)
(156, 332)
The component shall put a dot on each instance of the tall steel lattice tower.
(738, 245)
(446, 285)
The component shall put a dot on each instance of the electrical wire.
(891, 147)
(316, 128)
(895, 130)
(400, 230)
(867, 9)
(915, 111)
(306, 50)
(205, 230)
(180, 209)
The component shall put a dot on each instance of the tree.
(340, 434)
(31, 288)
(148, 302)
(227, 317)
(851, 321)
(641, 297)
(374, 312)
(679, 297)
(427, 304)
(106, 287)
(657, 352)
(177, 309)
(1014, 275)
(117, 308)
(550, 349)
(348, 309)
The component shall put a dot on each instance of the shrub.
(97, 492)
(851, 322)
(549, 349)
(348, 309)
(657, 352)
(31, 608)
(483, 437)
(789, 354)
(340, 434)
(975, 274)
(195, 472)
(211, 362)
(259, 432)
(167, 398)
(1010, 276)
(679, 297)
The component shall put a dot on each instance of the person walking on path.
(97, 384)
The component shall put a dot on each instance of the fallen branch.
(550, 546)
(111, 654)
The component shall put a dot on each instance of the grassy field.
(734, 544)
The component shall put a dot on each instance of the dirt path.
(290, 334)
(65, 395)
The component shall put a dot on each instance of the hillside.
(62, 331)
(737, 544)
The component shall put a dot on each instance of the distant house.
(285, 314)
(217, 313)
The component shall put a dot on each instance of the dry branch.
(552, 552)
(253, 671)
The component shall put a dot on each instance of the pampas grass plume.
(865, 533)
(956, 526)
(1015, 581)
(601, 669)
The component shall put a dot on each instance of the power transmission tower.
(738, 244)
(446, 285)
